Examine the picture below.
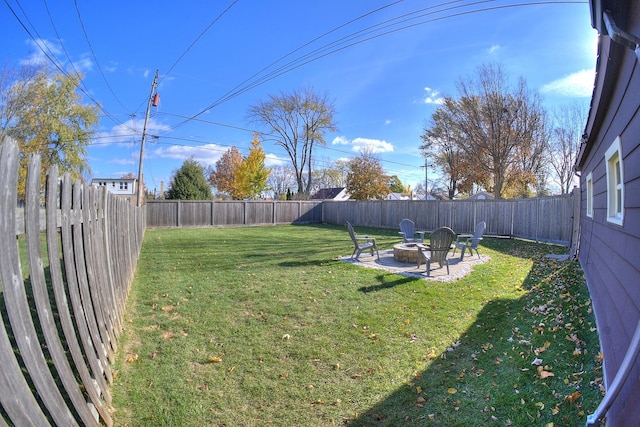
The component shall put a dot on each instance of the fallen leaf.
(537, 362)
(452, 390)
(214, 359)
(573, 397)
(544, 374)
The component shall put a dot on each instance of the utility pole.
(144, 136)
(426, 178)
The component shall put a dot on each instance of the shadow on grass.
(387, 284)
(486, 377)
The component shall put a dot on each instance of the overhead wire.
(198, 37)
(46, 51)
(356, 38)
(93, 54)
(75, 70)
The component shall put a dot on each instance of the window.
(615, 184)
(590, 195)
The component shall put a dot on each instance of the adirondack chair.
(470, 241)
(361, 243)
(438, 248)
(407, 231)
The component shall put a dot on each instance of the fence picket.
(58, 332)
(15, 395)
(64, 313)
(71, 222)
(19, 312)
(41, 296)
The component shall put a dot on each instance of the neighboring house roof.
(338, 193)
(400, 196)
(481, 195)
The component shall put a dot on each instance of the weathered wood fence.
(543, 219)
(189, 213)
(62, 295)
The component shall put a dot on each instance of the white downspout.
(621, 377)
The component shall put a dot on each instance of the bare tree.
(565, 143)
(334, 176)
(440, 144)
(281, 179)
(297, 121)
(493, 123)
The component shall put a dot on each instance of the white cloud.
(387, 122)
(206, 154)
(84, 64)
(131, 131)
(578, 84)
(432, 96)
(40, 46)
(340, 140)
(272, 160)
(367, 145)
(123, 161)
(373, 146)
(493, 49)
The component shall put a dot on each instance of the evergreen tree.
(189, 183)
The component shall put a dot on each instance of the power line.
(44, 48)
(202, 33)
(95, 58)
(362, 36)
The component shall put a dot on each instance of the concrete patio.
(457, 268)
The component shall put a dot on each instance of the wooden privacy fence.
(189, 213)
(551, 219)
(543, 219)
(62, 295)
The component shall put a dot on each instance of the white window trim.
(615, 183)
(590, 195)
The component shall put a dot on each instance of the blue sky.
(384, 65)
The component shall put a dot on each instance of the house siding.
(610, 253)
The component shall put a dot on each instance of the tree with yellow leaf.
(250, 175)
(44, 113)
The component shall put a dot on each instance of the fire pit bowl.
(406, 252)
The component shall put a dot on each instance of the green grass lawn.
(258, 326)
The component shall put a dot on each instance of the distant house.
(339, 193)
(399, 196)
(609, 169)
(125, 187)
(481, 195)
